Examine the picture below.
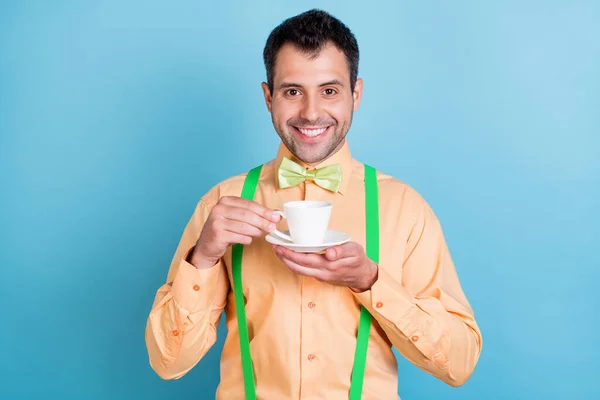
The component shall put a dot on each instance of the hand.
(232, 220)
(343, 265)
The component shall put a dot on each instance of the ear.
(267, 94)
(357, 94)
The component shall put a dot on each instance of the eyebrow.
(333, 82)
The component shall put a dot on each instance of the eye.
(292, 92)
(330, 92)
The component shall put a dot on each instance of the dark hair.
(310, 32)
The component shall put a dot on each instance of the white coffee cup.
(307, 221)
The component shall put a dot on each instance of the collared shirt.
(302, 331)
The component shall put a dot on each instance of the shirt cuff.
(392, 306)
(387, 299)
(193, 289)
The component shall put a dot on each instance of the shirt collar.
(342, 157)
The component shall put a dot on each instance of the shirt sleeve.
(422, 308)
(182, 324)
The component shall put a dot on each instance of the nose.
(310, 107)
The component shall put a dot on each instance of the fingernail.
(275, 216)
(271, 227)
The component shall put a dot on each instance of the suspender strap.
(372, 249)
(237, 250)
(364, 328)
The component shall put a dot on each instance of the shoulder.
(394, 192)
(233, 185)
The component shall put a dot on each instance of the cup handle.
(280, 234)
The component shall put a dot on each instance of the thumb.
(331, 254)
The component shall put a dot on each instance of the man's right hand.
(232, 220)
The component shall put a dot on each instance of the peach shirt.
(303, 332)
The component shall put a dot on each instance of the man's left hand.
(343, 265)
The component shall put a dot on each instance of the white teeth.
(312, 132)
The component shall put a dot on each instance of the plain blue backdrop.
(113, 115)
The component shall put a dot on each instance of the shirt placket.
(310, 351)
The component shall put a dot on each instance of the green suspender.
(362, 341)
(372, 249)
(236, 255)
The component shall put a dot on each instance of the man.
(303, 311)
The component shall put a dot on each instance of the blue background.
(113, 116)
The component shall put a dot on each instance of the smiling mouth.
(312, 132)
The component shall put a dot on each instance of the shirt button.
(175, 332)
(379, 304)
(414, 338)
(311, 357)
(196, 288)
(311, 305)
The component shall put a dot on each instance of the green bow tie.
(292, 174)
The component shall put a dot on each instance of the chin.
(314, 155)
(307, 152)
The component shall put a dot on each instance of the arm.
(425, 313)
(182, 324)
(183, 321)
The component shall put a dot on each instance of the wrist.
(371, 278)
(200, 261)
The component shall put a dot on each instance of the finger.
(239, 227)
(346, 250)
(247, 217)
(302, 270)
(253, 206)
(233, 238)
(305, 259)
(322, 274)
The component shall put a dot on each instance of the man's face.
(312, 104)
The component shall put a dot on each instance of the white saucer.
(332, 238)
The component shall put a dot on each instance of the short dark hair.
(310, 32)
